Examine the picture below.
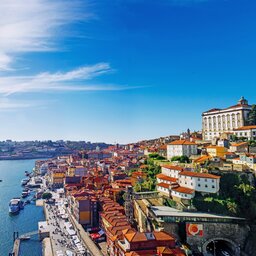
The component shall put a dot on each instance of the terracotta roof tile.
(182, 142)
(199, 175)
(184, 190)
(165, 177)
(172, 167)
(164, 185)
(242, 128)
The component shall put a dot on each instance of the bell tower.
(243, 101)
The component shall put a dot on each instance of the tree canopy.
(47, 195)
(251, 120)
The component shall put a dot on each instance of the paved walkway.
(94, 250)
(60, 238)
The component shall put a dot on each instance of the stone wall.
(235, 234)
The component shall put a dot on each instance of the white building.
(174, 181)
(181, 148)
(182, 193)
(201, 182)
(171, 170)
(248, 132)
(218, 121)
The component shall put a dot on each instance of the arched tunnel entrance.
(220, 247)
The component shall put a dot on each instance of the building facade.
(181, 148)
(218, 121)
(248, 132)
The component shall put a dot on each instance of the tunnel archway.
(221, 247)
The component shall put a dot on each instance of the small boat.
(1, 180)
(24, 182)
(24, 194)
(15, 205)
(25, 238)
(27, 173)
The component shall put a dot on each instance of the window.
(198, 179)
(212, 180)
(199, 185)
(205, 180)
(213, 186)
(206, 186)
(191, 183)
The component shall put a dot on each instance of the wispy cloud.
(75, 80)
(35, 25)
(38, 26)
(7, 104)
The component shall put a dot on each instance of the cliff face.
(250, 244)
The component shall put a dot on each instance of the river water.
(12, 172)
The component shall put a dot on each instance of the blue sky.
(121, 70)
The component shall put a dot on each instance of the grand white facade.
(218, 121)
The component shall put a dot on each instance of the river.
(12, 172)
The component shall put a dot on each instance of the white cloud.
(35, 25)
(74, 80)
(6, 104)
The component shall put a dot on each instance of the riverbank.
(12, 172)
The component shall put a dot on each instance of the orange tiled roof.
(199, 175)
(182, 142)
(202, 159)
(162, 235)
(184, 190)
(239, 144)
(242, 128)
(165, 177)
(164, 185)
(172, 167)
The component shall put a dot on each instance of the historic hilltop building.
(217, 121)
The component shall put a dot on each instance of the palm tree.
(246, 189)
(232, 207)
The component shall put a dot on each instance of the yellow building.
(57, 179)
(216, 151)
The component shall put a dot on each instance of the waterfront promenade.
(66, 234)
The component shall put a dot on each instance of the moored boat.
(24, 194)
(24, 182)
(15, 205)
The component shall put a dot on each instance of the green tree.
(184, 159)
(246, 189)
(47, 195)
(137, 187)
(251, 120)
(232, 207)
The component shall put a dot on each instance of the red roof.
(164, 185)
(183, 190)
(199, 175)
(165, 177)
(242, 128)
(172, 167)
(182, 142)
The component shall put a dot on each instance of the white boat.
(25, 238)
(24, 182)
(15, 205)
(24, 194)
